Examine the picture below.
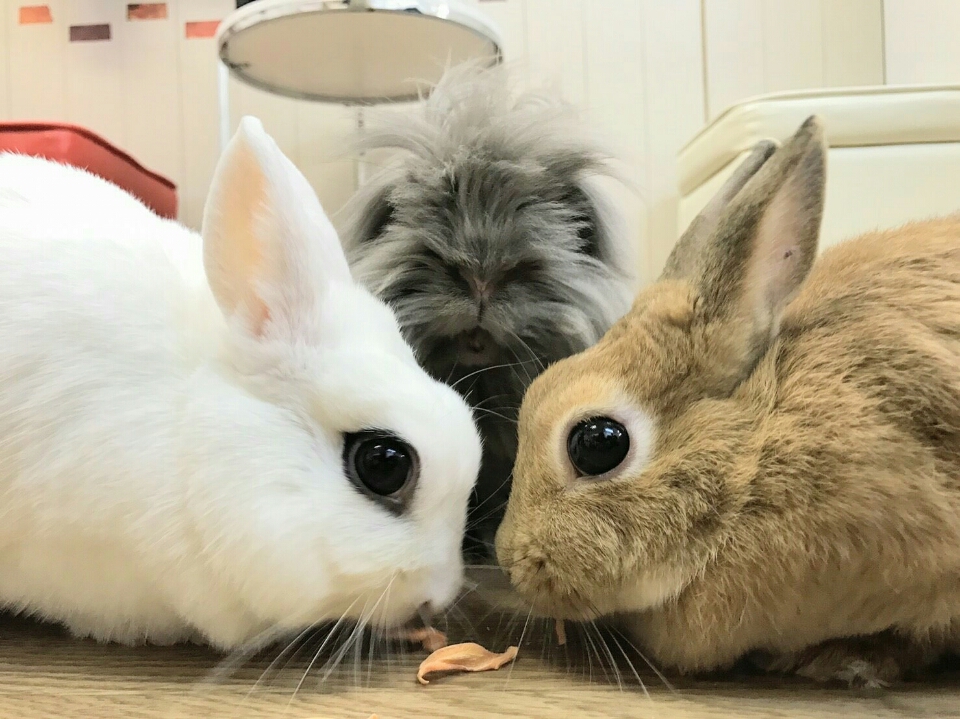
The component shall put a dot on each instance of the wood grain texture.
(44, 673)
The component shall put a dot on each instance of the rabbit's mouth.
(477, 348)
(419, 629)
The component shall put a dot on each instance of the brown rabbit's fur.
(801, 493)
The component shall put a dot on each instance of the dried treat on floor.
(467, 657)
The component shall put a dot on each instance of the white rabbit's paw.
(165, 634)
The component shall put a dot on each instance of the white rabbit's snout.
(313, 543)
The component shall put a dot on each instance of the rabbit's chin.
(368, 610)
(477, 349)
(648, 591)
(642, 593)
(489, 589)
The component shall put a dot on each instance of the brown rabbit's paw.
(871, 662)
(857, 673)
(834, 663)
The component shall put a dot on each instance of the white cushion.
(894, 153)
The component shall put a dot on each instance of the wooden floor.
(44, 673)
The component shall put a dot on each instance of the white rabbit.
(222, 438)
(71, 194)
(78, 205)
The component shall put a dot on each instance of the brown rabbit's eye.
(380, 463)
(597, 445)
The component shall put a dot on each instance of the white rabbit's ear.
(270, 252)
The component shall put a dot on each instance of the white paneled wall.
(197, 85)
(921, 41)
(758, 46)
(93, 72)
(35, 65)
(151, 102)
(673, 110)
(647, 74)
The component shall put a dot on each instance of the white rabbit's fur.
(170, 455)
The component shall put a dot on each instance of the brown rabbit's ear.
(682, 260)
(762, 249)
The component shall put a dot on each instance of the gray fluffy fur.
(498, 187)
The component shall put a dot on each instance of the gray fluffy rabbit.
(489, 237)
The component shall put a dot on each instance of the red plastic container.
(76, 146)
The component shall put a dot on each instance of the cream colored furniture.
(894, 153)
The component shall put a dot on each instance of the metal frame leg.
(361, 175)
(223, 100)
(223, 97)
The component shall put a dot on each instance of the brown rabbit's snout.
(537, 544)
(576, 546)
(556, 564)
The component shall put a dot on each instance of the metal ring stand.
(350, 52)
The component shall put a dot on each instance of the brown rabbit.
(764, 454)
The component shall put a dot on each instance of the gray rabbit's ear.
(367, 214)
(586, 217)
(762, 250)
(379, 215)
(683, 259)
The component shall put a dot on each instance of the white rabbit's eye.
(381, 464)
(597, 445)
